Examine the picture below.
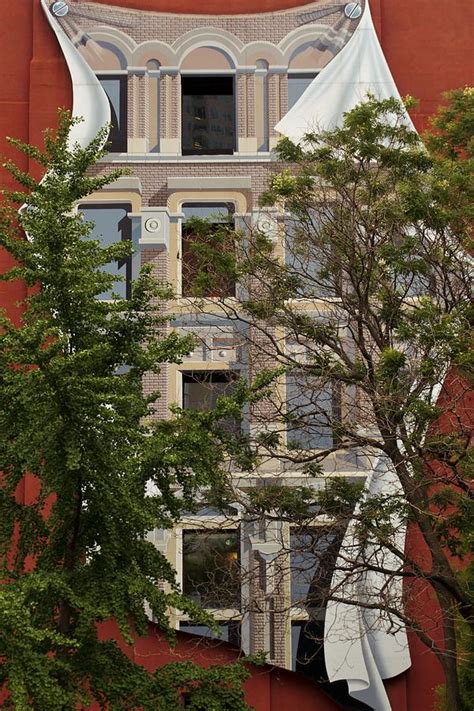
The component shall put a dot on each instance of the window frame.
(128, 206)
(300, 74)
(217, 203)
(211, 75)
(210, 531)
(118, 137)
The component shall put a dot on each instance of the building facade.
(195, 96)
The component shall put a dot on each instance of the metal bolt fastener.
(353, 10)
(60, 8)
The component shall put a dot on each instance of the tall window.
(112, 224)
(313, 412)
(208, 115)
(312, 558)
(116, 89)
(297, 85)
(199, 250)
(211, 568)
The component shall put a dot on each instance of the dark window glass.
(312, 558)
(227, 631)
(211, 568)
(313, 410)
(198, 273)
(297, 85)
(208, 115)
(112, 224)
(201, 388)
(314, 553)
(116, 89)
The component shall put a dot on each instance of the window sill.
(174, 158)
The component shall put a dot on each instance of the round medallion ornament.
(152, 225)
(353, 10)
(60, 8)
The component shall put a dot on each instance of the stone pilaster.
(138, 110)
(277, 102)
(170, 111)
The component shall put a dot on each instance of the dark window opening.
(202, 388)
(207, 250)
(116, 89)
(208, 115)
(313, 558)
(211, 568)
(112, 224)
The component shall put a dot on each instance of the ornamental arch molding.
(113, 41)
(211, 38)
(153, 49)
(263, 50)
(302, 36)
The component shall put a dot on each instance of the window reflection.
(211, 568)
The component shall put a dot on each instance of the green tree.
(73, 418)
(356, 282)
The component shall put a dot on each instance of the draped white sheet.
(89, 99)
(361, 645)
(359, 67)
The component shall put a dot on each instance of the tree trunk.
(449, 659)
(453, 694)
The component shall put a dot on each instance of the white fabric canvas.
(89, 99)
(360, 67)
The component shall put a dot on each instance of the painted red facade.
(429, 48)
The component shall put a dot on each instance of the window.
(116, 89)
(208, 115)
(313, 411)
(227, 631)
(301, 656)
(312, 558)
(112, 224)
(211, 568)
(202, 388)
(309, 258)
(200, 248)
(297, 85)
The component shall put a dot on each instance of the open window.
(115, 86)
(112, 224)
(208, 115)
(202, 248)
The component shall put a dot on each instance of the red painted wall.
(429, 48)
(267, 689)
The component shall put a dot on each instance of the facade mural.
(197, 104)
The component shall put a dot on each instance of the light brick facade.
(261, 52)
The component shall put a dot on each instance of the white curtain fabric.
(89, 99)
(362, 645)
(359, 67)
